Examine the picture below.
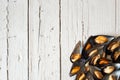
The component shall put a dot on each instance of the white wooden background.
(38, 36)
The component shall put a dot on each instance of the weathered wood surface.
(38, 36)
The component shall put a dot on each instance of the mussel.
(81, 76)
(75, 69)
(116, 55)
(95, 41)
(113, 76)
(97, 59)
(76, 54)
(113, 44)
(108, 69)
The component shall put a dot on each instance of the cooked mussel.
(116, 55)
(88, 45)
(76, 54)
(108, 69)
(89, 76)
(95, 59)
(113, 76)
(113, 44)
(96, 72)
(75, 69)
(95, 41)
(81, 76)
(98, 59)
(103, 61)
(101, 39)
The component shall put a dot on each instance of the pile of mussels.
(99, 59)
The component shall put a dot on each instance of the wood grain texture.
(102, 17)
(37, 36)
(117, 18)
(44, 63)
(71, 30)
(18, 39)
(13, 47)
(3, 40)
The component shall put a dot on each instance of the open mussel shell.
(94, 51)
(94, 60)
(101, 39)
(103, 61)
(95, 41)
(96, 72)
(81, 76)
(88, 45)
(112, 45)
(76, 53)
(89, 76)
(110, 77)
(98, 59)
(84, 76)
(113, 76)
(108, 69)
(75, 69)
(116, 74)
(116, 55)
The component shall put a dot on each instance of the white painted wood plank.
(118, 17)
(44, 60)
(101, 17)
(3, 40)
(71, 32)
(13, 42)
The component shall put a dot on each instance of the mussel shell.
(117, 66)
(101, 39)
(94, 60)
(94, 51)
(75, 69)
(103, 61)
(93, 41)
(81, 76)
(89, 76)
(117, 74)
(76, 54)
(97, 60)
(113, 76)
(116, 55)
(88, 45)
(108, 69)
(111, 46)
(110, 77)
(96, 72)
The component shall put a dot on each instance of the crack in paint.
(39, 27)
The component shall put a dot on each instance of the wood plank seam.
(28, 35)
(7, 34)
(60, 39)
